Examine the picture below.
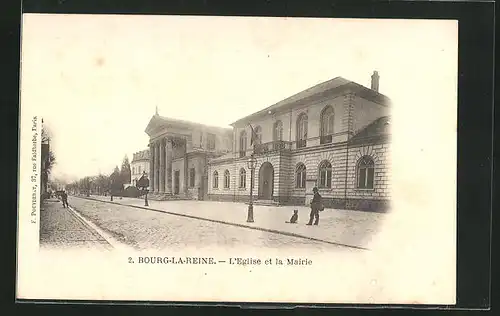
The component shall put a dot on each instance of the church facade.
(334, 136)
(178, 155)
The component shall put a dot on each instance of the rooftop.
(158, 120)
(335, 86)
(378, 128)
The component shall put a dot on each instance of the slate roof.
(223, 157)
(377, 129)
(333, 86)
(158, 120)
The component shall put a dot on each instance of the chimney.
(375, 79)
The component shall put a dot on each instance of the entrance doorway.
(266, 181)
(176, 181)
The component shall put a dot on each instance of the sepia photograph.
(237, 159)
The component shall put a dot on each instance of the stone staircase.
(265, 202)
(166, 197)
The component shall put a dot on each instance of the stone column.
(168, 166)
(151, 166)
(186, 169)
(157, 167)
(162, 166)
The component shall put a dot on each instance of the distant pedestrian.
(316, 207)
(64, 198)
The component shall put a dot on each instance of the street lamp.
(88, 187)
(143, 183)
(251, 165)
(111, 188)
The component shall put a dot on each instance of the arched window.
(365, 172)
(301, 130)
(327, 118)
(243, 178)
(325, 174)
(215, 180)
(300, 176)
(258, 133)
(226, 179)
(278, 131)
(243, 143)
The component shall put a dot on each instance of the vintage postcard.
(237, 159)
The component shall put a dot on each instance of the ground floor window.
(300, 176)
(227, 179)
(243, 178)
(365, 172)
(215, 180)
(325, 174)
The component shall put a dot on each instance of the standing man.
(316, 207)
(64, 197)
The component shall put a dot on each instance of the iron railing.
(325, 139)
(301, 143)
(275, 146)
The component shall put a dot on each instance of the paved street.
(145, 229)
(61, 228)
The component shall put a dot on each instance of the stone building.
(139, 165)
(179, 151)
(334, 135)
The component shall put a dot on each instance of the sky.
(96, 80)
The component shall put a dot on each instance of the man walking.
(64, 197)
(316, 207)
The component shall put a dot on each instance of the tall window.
(201, 140)
(327, 118)
(139, 169)
(365, 172)
(327, 121)
(278, 131)
(215, 180)
(243, 143)
(301, 130)
(243, 178)
(325, 174)
(226, 179)
(211, 141)
(191, 177)
(300, 176)
(258, 132)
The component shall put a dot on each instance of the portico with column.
(177, 151)
(161, 166)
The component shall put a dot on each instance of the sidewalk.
(62, 228)
(345, 227)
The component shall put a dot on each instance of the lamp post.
(111, 188)
(143, 183)
(88, 187)
(251, 165)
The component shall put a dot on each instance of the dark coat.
(317, 202)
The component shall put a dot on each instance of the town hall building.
(334, 136)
